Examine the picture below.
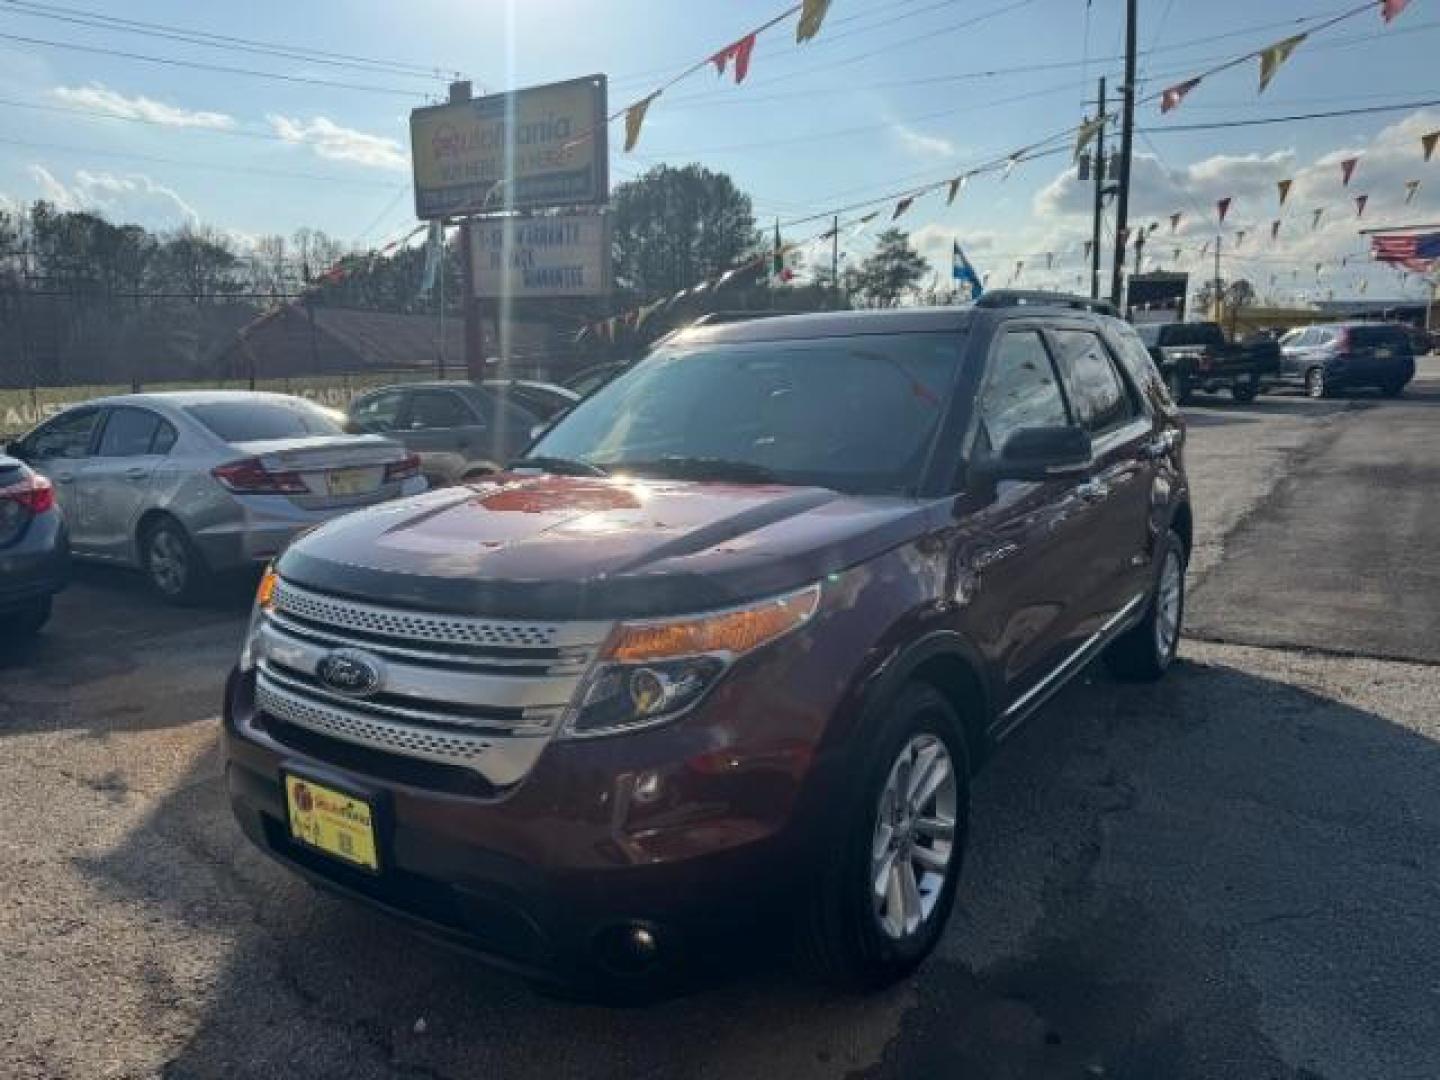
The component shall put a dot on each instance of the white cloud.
(923, 145)
(100, 98)
(131, 198)
(329, 140)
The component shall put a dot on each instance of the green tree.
(673, 228)
(893, 269)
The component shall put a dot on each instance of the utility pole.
(1099, 171)
(835, 258)
(1127, 140)
(474, 321)
(1219, 284)
(1139, 252)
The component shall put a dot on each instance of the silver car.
(186, 485)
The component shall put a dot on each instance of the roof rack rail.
(1041, 298)
(716, 318)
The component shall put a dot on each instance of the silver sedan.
(185, 485)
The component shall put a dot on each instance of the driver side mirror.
(1041, 453)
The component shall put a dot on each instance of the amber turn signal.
(265, 593)
(734, 632)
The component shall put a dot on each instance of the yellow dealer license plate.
(332, 821)
(359, 481)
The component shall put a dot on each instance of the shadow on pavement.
(1220, 874)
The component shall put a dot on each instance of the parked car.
(1345, 356)
(542, 400)
(461, 431)
(189, 484)
(1195, 356)
(728, 647)
(34, 550)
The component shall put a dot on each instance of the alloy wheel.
(1167, 605)
(914, 837)
(169, 562)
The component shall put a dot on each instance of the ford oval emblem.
(347, 671)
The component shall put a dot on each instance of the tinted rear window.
(255, 421)
(1192, 334)
(1393, 336)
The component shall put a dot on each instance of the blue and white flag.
(434, 252)
(965, 276)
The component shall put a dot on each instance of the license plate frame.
(350, 481)
(322, 826)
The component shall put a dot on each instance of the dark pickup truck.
(1195, 356)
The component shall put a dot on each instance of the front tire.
(1146, 651)
(1245, 390)
(886, 889)
(173, 565)
(1393, 389)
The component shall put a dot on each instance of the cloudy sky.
(894, 93)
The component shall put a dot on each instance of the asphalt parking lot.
(1229, 874)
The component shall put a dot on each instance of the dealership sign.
(555, 136)
(542, 257)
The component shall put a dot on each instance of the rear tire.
(172, 564)
(1146, 651)
(24, 624)
(1393, 389)
(857, 937)
(1245, 390)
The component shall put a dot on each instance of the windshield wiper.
(678, 467)
(560, 466)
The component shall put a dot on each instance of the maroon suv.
(732, 639)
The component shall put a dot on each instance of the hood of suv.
(551, 547)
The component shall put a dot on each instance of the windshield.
(256, 421)
(852, 413)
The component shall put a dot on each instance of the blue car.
(34, 550)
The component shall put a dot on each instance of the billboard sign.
(1157, 297)
(542, 257)
(557, 134)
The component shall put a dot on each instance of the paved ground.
(1231, 874)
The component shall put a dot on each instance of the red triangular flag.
(1347, 170)
(1390, 8)
(1428, 143)
(739, 52)
(1223, 206)
(1176, 94)
(1284, 186)
(1360, 201)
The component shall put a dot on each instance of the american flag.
(1414, 251)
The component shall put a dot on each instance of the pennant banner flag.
(1010, 163)
(1411, 186)
(1391, 8)
(1175, 222)
(1176, 94)
(739, 52)
(1284, 186)
(1427, 143)
(964, 274)
(1360, 201)
(903, 205)
(1347, 170)
(1175, 257)
(1223, 207)
(1204, 249)
(1089, 247)
(1315, 219)
(1049, 260)
(1019, 266)
(1274, 229)
(1240, 238)
(1274, 55)
(634, 117)
(956, 186)
(812, 14)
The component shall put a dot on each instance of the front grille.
(481, 694)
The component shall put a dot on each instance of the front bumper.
(658, 829)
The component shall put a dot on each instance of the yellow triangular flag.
(812, 14)
(634, 117)
(1271, 58)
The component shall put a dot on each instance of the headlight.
(652, 671)
(264, 602)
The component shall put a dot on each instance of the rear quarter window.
(1393, 337)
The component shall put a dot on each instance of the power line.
(172, 32)
(393, 91)
(1290, 118)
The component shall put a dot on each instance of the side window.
(129, 433)
(164, 438)
(65, 436)
(1138, 362)
(1097, 393)
(380, 412)
(440, 409)
(1020, 389)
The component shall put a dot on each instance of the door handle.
(1093, 491)
(137, 473)
(64, 478)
